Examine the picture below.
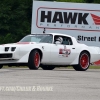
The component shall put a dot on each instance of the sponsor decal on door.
(64, 52)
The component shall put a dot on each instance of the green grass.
(94, 67)
(91, 67)
(15, 67)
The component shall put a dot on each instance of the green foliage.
(89, 1)
(96, 1)
(78, 1)
(15, 18)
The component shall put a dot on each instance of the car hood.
(17, 44)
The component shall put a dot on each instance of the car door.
(63, 54)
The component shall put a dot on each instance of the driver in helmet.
(59, 40)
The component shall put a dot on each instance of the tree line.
(16, 16)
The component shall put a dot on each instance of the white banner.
(76, 19)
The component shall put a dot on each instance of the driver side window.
(65, 40)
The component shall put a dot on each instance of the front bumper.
(8, 53)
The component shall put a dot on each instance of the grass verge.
(70, 67)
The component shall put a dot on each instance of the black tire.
(1, 66)
(84, 62)
(34, 60)
(46, 67)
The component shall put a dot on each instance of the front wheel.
(84, 62)
(34, 60)
(1, 66)
(46, 67)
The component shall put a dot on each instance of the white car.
(48, 51)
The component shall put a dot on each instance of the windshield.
(42, 38)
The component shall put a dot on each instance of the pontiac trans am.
(46, 51)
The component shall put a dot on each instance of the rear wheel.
(34, 60)
(1, 66)
(46, 67)
(84, 62)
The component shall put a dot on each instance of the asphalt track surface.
(57, 84)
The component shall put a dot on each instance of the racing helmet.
(60, 39)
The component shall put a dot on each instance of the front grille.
(6, 55)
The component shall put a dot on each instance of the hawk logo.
(68, 19)
(64, 17)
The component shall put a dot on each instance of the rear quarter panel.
(94, 52)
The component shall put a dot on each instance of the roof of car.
(60, 34)
(55, 34)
